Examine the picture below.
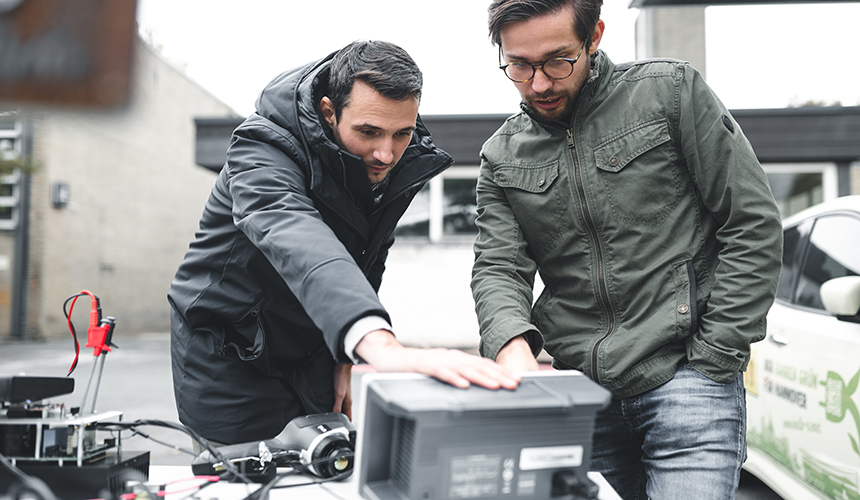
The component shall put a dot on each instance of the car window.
(790, 245)
(832, 253)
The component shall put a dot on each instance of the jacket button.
(613, 161)
(683, 308)
(541, 182)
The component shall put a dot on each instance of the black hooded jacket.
(289, 254)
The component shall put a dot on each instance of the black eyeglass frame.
(504, 67)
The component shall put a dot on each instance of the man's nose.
(541, 82)
(384, 152)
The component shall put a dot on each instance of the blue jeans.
(684, 439)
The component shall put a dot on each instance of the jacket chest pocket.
(639, 172)
(535, 196)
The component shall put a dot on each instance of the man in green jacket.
(636, 196)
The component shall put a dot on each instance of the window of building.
(445, 209)
(10, 147)
(801, 185)
(9, 201)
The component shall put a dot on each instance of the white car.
(803, 426)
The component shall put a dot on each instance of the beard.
(559, 114)
(563, 112)
(377, 178)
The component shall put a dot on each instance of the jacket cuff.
(493, 341)
(716, 365)
(358, 331)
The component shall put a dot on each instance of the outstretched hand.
(382, 351)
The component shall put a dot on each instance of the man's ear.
(327, 108)
(596, 37)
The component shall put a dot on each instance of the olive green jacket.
(650, 221)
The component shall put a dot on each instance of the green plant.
(24, 164)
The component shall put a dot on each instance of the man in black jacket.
(277, 295)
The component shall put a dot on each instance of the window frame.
(436, 216)
(828, 171)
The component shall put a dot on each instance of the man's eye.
(368, 133)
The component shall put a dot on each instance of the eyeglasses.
(557, 68)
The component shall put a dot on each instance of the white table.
(335, 490)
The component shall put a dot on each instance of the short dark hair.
(387, 68)
(586, 13)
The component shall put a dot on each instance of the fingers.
(448, 365)
(343, 404)
(461, 370)
(346, 407)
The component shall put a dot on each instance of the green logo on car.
(837, 402)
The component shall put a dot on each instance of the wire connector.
(98, 337)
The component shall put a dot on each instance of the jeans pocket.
(690, 371)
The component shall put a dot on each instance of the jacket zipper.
(330, 206)
(601, 270)
(394, 195)
(425, 177)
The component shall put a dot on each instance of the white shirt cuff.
(357, 332)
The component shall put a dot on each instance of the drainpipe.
(21, 261)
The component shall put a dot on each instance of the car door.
(802, 388)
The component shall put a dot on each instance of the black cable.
(330, 492)
(195, 492)
(72, 328)
(263, 492)
(132, 426)
(137, 432)
(40, 488)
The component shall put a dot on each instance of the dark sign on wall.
(76, 52)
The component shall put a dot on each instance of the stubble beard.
(376, 179)
(373, 179)
(564, 113)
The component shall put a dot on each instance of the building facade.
(114, 200)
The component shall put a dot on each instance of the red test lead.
(99, 335)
